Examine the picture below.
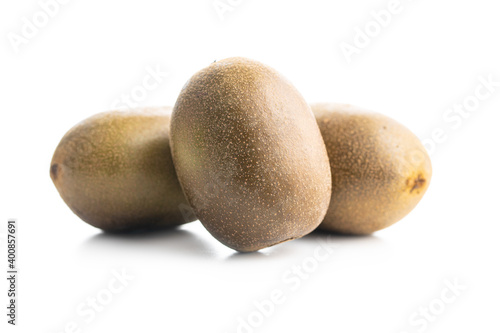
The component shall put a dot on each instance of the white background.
(428, 58)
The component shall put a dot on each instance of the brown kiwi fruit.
(249, 155)
(380, 170)
(115, 171)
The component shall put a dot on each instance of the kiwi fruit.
(115, 171)
(249, 155)
(380, 170)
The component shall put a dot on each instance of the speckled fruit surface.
(249, 155)
(380, 170)
(115, 171)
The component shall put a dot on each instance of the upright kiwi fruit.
(249, 155)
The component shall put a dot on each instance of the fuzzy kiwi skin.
(115, 171)
(380, 170)
(249, 155)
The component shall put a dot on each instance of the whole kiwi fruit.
(380, 170)
(249, 155)
(115, 171)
